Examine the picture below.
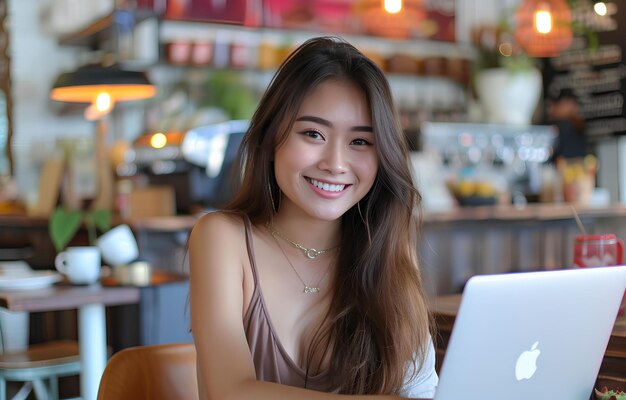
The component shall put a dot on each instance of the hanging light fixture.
(101, 87)
(87, 83)
(391, 18)
(544, 27)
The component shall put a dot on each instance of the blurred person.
(565, 115)
(307, 285)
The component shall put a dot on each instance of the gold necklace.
(307, 289)
(310, 253)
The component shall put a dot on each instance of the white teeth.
(326, 186)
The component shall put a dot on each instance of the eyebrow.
(322, 121)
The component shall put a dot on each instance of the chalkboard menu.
(596, 75)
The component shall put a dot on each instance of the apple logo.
(527, 363)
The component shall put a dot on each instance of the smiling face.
(328, 161)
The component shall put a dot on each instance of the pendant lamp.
(544, 27)
(86, 83)
(391, 18)
(102, 87)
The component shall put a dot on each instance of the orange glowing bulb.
(393, 6)
(158, 140)
(543, 21)
(103, 102)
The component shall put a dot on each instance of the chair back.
(166, 371)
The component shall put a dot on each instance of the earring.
(269, 189)
(358, 207)
(367, 228)
(277, 204)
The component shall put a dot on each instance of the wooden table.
(90, 302)
(612, 371)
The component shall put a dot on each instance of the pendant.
(312, 253)
(308, 289)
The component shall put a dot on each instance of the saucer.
(29, 280)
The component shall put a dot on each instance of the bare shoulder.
(217, 240)
(218, 227)
(220, 220)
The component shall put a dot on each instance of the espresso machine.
(199, 164)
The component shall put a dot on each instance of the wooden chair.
(38, 364)
(155, 372)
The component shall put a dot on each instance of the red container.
(598, 250)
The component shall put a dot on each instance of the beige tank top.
(271, 361)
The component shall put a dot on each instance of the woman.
(307, 286)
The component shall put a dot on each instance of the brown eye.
(313, 134)
(361, 142)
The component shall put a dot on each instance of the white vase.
(507, 96)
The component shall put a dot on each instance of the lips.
(325, 186)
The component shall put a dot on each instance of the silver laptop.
(533, 335)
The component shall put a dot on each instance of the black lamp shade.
(86, 83)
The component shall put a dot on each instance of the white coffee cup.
(81, 265)
(118, 246)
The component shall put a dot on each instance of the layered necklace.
(309, 253)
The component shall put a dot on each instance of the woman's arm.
(225, 369)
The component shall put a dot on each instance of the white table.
(90, 302)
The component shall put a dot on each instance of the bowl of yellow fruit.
(470, 192)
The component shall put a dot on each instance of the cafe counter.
(455, 244)
(468, 241)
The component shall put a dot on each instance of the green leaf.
(102, 219)
(63, 226)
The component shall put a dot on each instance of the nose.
(334, 159)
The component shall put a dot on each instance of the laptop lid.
(531, 335)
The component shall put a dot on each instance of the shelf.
(175, 30)
(102, 28)
(88, 35)
(392, 76)
(263, 49)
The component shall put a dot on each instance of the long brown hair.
(378, 321)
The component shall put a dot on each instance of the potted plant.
(81, 265)
(64, 225)
(507, 80)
